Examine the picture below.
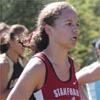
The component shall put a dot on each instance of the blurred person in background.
(90, 75)
(30, 42)
(12, 61)
(4, 28)
(18, 28)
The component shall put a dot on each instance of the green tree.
(26, 12)
(89, 17)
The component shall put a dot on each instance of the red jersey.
(54, 88)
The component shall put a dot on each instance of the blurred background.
(26, 11)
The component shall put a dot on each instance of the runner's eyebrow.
(68, 20)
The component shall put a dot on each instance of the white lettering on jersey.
(66, 91)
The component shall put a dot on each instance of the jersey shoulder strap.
(44, 58)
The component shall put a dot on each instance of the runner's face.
(65, 30)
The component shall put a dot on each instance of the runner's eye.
(69, 24)
(78, 24)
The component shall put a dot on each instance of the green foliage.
(89, 17)
(26, 12)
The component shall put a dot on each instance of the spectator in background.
(91, 75)
(4, 28)
(18, 28)
(56, 33)
(12, 61)
(31, 42)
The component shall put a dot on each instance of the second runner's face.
(65, 30)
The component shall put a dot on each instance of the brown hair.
(48, 15)
(3, 27)
(18, 28)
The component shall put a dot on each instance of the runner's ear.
(48, 29)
